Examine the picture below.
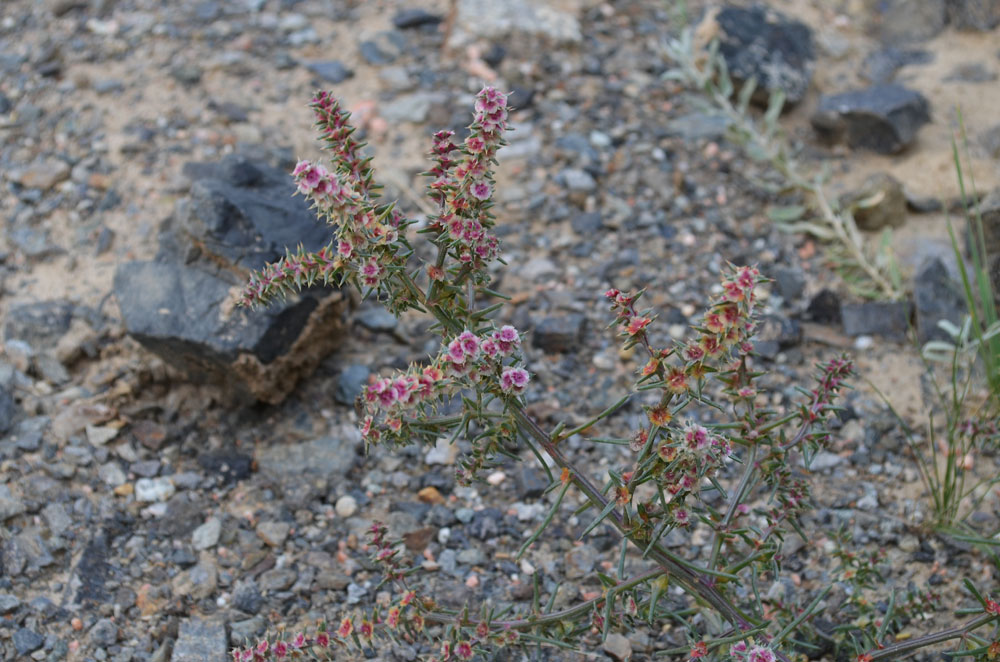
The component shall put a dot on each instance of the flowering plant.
(709, 458)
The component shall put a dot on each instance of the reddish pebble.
(77, 624)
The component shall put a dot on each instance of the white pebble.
(346, 506)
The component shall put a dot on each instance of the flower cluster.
(688, 456)
(467, 359)
(728, 323)
(296, 647)
(463, 187)
(741, 652)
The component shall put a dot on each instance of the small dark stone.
(5, 105)
(587, 224)
(922, 205)
(560, 333)
(8, 409)
(888, 319)
(104, 633)
(27, 641)
(247, 597)
(40, 324)
(232, 465)
(775, 334)
(93, 570)
(406, 19)
(824, 307)
(494, 55)
(485, 523)
(936, 296)
(27, 434)
(879, 203)
(882, 118)
(350, 384)
(440, 516)
(200, 641)
(881, 66)
(374, 54)
(332, 71)
(791, 282)
(376, 318)
(520, 97)
(769, 47)
(531, 483)
(187, 74)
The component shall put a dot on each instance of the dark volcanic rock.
(881, 66)
(181, 306)
(889, 319)
(331, 71)
(936, 296)
(765, 45)
(39, 324)
(92, 572)
(824, 307)
(414, 18)
(882, 118)
(979, 15)
(559, 333)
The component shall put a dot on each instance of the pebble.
(27, 641)
(207, 535)
(104, 633)
(331, 71)
(98, 435)
(42, 175)
(154, 489)
(273, 533)
(825, 460)
(200, 641)
(8, 603)
(346, 506)
(443, 453)
(617, 646)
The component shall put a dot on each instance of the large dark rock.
(767, 46)
(882, 118)
(559, 333)
(936, 296)
(888, 319)
(181, 306)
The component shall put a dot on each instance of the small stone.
(187, 74)
(331, 71)
(10, 504)
(346, 506)
(98, 435)
(430, 494)
(882, 118)
(881, 66)
(27, 641)
(273, 533)
(8, 603)
(376, 318)
(580, 561)
(42, 175)
(825, 307)
(903, 21)
(888, 319)
(413, 107)
(351, 383)
(578, 181)
(971, 72)
(57, 519)
(825, 460)
(936, 297)
(247, 597)
(776, 333)
(990, 140)
(531, 482)
(587, 224)
(443, 453)
(791, 282)
(104, 633)
(200, 641)
(879, 203)
(977, 15)
(112, 474)
(618, 647)
(406, 19)
(278, 579)
(562, 333)
(154, 489)
(199, 582)
(207, 535)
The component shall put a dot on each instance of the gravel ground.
(147, 517)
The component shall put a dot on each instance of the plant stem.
(902, 648)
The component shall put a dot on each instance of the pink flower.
(300, 167)
(480, 190)
(322, 639)
(514, 380)
(760, 654)
(682, 517)
(470, 343)
(280, 649)
(464, 650)
(489, 348)
(299, 641)
(345, 249)
(509, 334)
(738, 650)
(475, 144)
(456, 353)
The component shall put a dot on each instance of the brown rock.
(878, 204)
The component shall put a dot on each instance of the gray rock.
(412, 108)
(39, 324)
(531, 483)
(878, 204)
(485, 19)
(241, 215)
(936, 296)
(881, 66)
(376, 318)
(351, 383)
(104, 633)
(765, 45)
(587, 224)
(247, 597)
(200, 641)
(791, 282)
(977, 15)
(27, 641)
(990, 140)
(882, 118)
(578, 181)
(824, 307)
(384, 49)
(776, 333)
(328, 457)
(8, 603)
(273, 533)
(618, 647)
(8, 409)
(11, 505)
(277, 579)
(207, 535)
(410, 18)
(92, 572)
(112, 474)
(331, 71)
(825, 460)
(560, 333)
(971, 72)
(903, 21)
(57, 519)
(889, 319)
(244, 633)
